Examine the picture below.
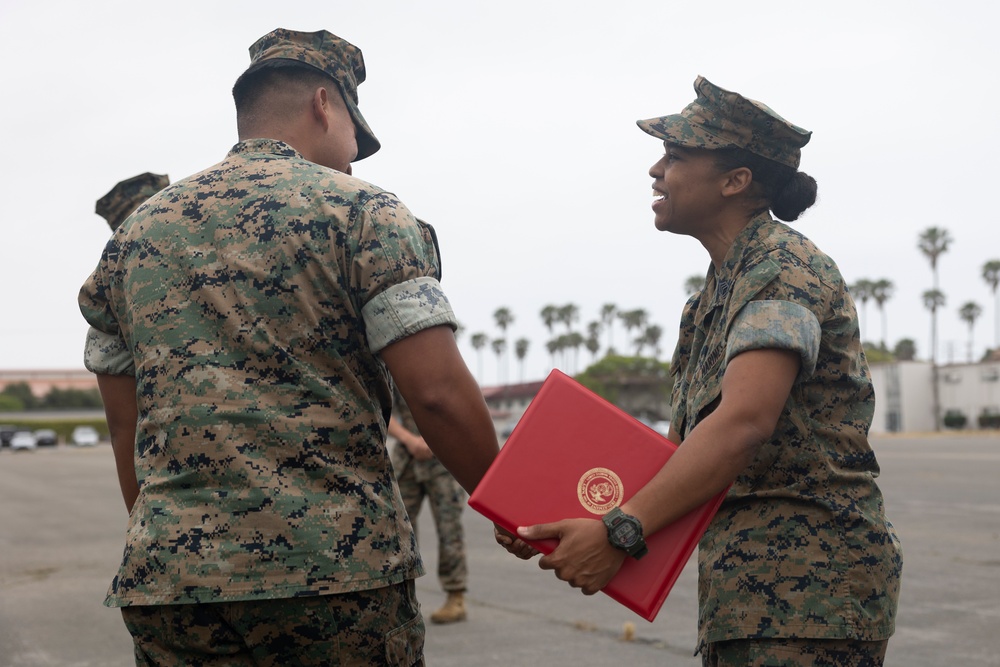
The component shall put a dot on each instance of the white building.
(904, 397)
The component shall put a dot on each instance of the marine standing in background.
(421, 476)
(772, 395)
(119, 203)
(264, 302)
(122, 200)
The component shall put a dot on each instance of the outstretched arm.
(449, 408)
(445, 401)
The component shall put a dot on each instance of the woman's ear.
(736, 181)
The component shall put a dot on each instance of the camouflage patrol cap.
(719, 118)
(337, 58)
(127, 195)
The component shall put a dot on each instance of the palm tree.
(593, 346)
(608, 312)
(568, 314)
(521, 351)
(478, 343)
(593, 334)
(970, 312)
(504, 318)
(652, 337)
(550, 315)
(562, 345)
(934, 299)
(991, 274)
(933, 242)
(499, 345)
(694, 284)
(552, 346)
(882, 291)
(574, 340)
(633, 319)
(862, 291)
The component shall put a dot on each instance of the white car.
(85, 436)
(23, 440)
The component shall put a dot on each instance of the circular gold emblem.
(600, 490)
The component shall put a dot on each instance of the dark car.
(46, 437)
(7, 432)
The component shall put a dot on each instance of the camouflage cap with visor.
(128, 195)
(323, 51)
(719, 118)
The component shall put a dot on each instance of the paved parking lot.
(62, 522)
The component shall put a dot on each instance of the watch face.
(625, 534)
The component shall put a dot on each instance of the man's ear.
(736, 181)
(321, 107)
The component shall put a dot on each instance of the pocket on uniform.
(404, 646)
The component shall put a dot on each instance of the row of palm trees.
(932, 242)
(568, 342)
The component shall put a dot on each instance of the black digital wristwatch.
(625, 533)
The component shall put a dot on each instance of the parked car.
(85, 436)
(508, 429)
(46, 437)
(7, 432)
(23, 440)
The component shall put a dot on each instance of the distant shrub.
(10, 403)
(955, 419)
(988, 419)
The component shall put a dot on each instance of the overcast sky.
(511, 127)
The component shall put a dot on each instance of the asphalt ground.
(62, 523)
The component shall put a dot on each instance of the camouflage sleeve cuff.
(106, 354)
(783, 325)
(404, 309)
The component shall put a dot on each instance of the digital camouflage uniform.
(431, 480)
(253, 299)
(254, 321)
(801, 547)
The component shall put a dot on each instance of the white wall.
(970, 388)
(904, 398)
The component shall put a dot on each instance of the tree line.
(17, 397)
(566, 338)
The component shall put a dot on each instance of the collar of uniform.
(719, 283)
(269, 146)
(733, 264)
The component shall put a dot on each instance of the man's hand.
(418, 449)
(584, 558)
(511, 543)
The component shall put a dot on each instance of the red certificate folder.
(574, 455)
